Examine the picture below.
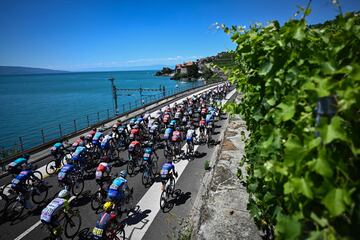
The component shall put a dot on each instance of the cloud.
(127, 63)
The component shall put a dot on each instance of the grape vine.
(300, 88)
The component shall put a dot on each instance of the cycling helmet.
(26, 156)
(82, 137)
(64, 194)
(177, 129)
(123, 173)
(192, 128)
(101, 129)
(108, 206)
(114, 126)
(136, 126)
(105, 158)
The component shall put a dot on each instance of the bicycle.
(99, 197)
(35, 177)
(72, 222)
(76, 183)
(168, 191)
(51, 166)
(15, 206)
(135, 160)
(149, 171)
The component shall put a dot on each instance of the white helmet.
(64, 194)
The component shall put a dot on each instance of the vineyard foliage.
(300, 89)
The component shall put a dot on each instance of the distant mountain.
(11, 70)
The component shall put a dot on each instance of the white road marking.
(28, 230)
(180, 165)
(151, 199)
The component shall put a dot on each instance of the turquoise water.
(30, 103)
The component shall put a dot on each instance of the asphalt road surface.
(148, 222)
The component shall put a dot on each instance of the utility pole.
(114, 94)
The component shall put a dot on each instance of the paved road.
(148, 219)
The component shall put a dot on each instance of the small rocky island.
(166, 71)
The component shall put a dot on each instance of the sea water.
(49, 103)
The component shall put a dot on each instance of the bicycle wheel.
(14, 209)
(120, 234)
(35, 178)
(8, 191)
(50, 167)
(97, 200)
(163, 200)
(39, 194)
(154, 167)
(72, 225)
(146, 176)
(78, 186)
(3, 203)
(131, 167)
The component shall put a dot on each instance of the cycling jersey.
(208, 118)
(147, 154)
(153, 128)
(52, 209)
(177, 115)
(101, 169)
(78, 152)
(166, 168)
(14, 166)
(117, 188)
(105, 143)
(176, 136)
(98, 135)
(190, 134)
(168, 133)
(67, 168)
(103, 222)
(18, 183)
(134, 146)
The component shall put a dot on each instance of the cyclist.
(105, 142)
(99, 135)
(51, 214)
(19, 164)
(167, 172)
(57, 151)
(103, 170)
(64, 174)
(79, 156)
(134, 149)
(176, 136)
(202, 126)
(168, 134)
(173, 124)
(77, 141)
(148, 153)
(90, 135)
(106, 221)
(18, 184)
(190, 135)
(116, 192)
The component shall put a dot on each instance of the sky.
(86, 35)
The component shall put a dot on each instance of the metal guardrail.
(137, 105)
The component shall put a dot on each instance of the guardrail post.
(98, 115)
(129, 106)
(108, 113)
(60, 130)
(75, 124)
(123, 108)
(88, 122)
(21, 144)
(42, 136)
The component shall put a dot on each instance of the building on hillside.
(185, 68)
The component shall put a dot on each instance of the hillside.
(11, 70)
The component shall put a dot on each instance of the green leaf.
(299, 186)
(322, 165)
(334, 130)
(307, 12)
(265, 68)
(294, 150)
(322, 221)
(299, 33)
(287, 227)
(335, 201)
